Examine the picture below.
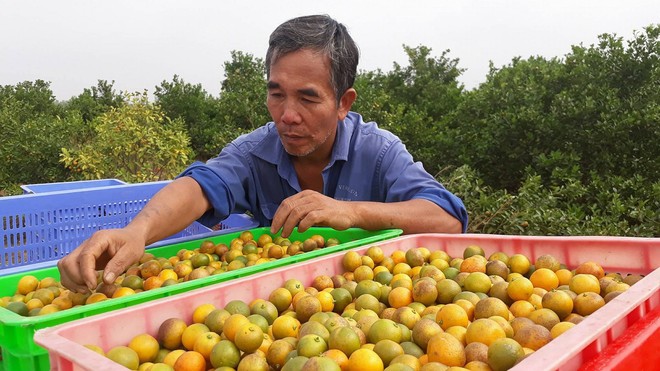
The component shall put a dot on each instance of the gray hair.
(319, 33)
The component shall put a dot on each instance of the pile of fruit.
(35, 297)
(412, 310)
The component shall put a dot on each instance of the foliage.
(412, 100)
(135, 143)
(197, 109)
(600, 107)
(33, 131)
(95, 100)
(618, 206)
(243, 93)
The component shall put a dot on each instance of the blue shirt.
(255, 173)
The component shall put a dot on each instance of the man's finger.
(72, 282)
(119, 263)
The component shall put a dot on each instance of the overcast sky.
(138, 44)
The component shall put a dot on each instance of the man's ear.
(345, 103)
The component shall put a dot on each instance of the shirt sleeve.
(405, 180)
(224, 181)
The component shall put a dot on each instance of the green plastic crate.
(17, 332)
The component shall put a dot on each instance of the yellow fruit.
(27, 284)
(446, 349)
(200, 313)
(192, 333)
(364, 359)
(146, 347)
(125, 356)
(544, 278)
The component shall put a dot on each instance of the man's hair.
(319, 33)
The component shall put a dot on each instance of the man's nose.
(290, 115)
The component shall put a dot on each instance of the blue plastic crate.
(68, 186)
(36, 230)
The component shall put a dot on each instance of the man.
(316, 164)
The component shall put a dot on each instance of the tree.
(243, 93)
(413, 100)
(33, 127)
(95, 100)
(597, 108)
(197, 109)
(134, 142)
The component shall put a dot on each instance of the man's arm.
(309, 208)
(171, 210)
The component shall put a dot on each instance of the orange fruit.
(398, 256)
(190, 361)
(192, 333)
(581, 283)
(123, 291)
(170, 333)
(484, 330)
(277, 353)
(337, 356)
(547, 261)
(376, 254)
(171, 357)
(560, 328)
(446, 349)
(94, 298)
(48, 282)
(399, 297)
(544, 317)
(491, 307)
(408, 360)
(475, 263)
(285, 326)
(521, 308)
(200, 313)
(27, 284)
(591, 268)
(504, 353)
(532, 336)
(249, 338)
(146, 347)
(281, 298)
(233, 324)
(125, 356)
(225, 354)
(205, 342)
(152, 282)
(364, 360)
(559, 302)
(564, 276)
(587, 303)
(467, 306)
(351, 260)
(519, 263)
(544, 278)
(168, 273)
(520, 288)
(458, 332)
(451, 315)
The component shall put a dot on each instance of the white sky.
(138, 44)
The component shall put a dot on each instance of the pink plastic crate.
(625, 255)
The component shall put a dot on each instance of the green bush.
(135, 143)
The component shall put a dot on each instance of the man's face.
(303, 104)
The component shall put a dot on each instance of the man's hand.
(309, 208)
(113, 250)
